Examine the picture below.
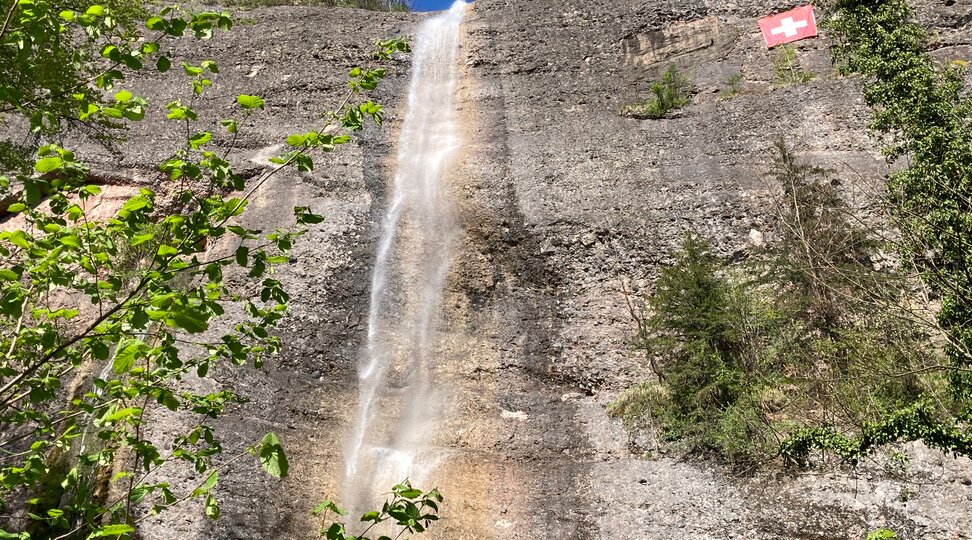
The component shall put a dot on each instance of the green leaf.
(112, 530)
(123, 96)
(165, 250)
(200, 139)
(122, 414)
(48, 164)
(155, 23)
(242, 255)
(305, 216)
(272, 457)
(189, 320)
(96, 10)
(19, 238)
(163, 64)
(320, 508)
(208, 485)
(7, 274)
(211, 507)
(410, 493)
(132, 61)
(32, 192)
(70, 240)
(135, 114)
(16, 207)
(111, 52)
(128, 352)
(191, 70)
(168, 400)
(249, 102)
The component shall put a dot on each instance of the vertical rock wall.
(560, 201)
(565, 200)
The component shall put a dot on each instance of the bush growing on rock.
(787, 67)
(672, 91)
(733, 86)
(754, 357)
(926, 111)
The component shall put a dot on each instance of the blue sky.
(430, 5)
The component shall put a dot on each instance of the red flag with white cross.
(788, 26)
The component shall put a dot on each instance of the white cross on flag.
(788, 26)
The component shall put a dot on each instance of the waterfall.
(397, 400)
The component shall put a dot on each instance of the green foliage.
(138, 294)
(787, 67)
(927, 113)
(882, 534)
(59, 59)
(820, 253)
(707, 330)
(733, 86)
(410, 510)
(636, 403)
(805, 346)
(672, 91)
(272, 457)
(919, 421)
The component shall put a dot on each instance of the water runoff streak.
(397, 399)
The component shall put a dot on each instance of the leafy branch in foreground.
(135, 298)
(409, 509)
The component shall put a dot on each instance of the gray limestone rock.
(560, 201)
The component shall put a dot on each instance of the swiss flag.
(788, 26)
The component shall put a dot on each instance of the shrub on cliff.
(926, 111)
(787, 67)
(755, 357)
(672, 91)
(709, 332)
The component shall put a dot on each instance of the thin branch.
(10, 14)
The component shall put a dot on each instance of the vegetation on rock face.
(927, 112)
(752, 358)
(882, 534)
(137, 297)
(733, 86)
(787, 67)
(810, 346)
(672, 91)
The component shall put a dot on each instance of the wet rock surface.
(560, 202)
(596, 201)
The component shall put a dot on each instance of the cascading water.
(396, 395)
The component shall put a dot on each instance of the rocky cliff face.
(561, 201)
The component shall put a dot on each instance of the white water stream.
(397, 400)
